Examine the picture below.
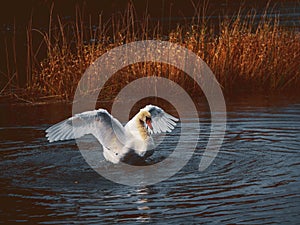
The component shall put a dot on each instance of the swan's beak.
(149, 124)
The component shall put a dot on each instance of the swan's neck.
(142, 129)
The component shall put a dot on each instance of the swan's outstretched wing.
(161, 121)
(108, 130)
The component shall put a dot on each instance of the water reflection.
(143, 204)
(254, 179)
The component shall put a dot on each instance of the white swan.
(119, 143)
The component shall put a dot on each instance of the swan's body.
(119, 143)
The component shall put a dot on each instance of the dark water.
(255, 178)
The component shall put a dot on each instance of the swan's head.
(145, 117)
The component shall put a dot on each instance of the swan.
(120, 143)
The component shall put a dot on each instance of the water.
(255, 178)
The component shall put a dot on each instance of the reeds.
(244, 53)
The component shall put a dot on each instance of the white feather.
(115, 139)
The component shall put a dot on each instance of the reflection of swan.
(143, 205)
(129, 143)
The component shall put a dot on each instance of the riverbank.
(248, 53)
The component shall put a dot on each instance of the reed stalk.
(243, 52)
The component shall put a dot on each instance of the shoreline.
(249, 96)
(246, 53)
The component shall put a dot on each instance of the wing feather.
(108, 130)
(161, 121)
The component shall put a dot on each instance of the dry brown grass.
(243, 53)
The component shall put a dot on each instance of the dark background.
(15, 16)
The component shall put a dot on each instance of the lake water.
(255, 179)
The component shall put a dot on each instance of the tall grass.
(244, 53)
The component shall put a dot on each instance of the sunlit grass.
(244, 53)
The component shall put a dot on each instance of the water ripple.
(254, 179)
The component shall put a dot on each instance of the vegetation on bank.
(244, 53)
